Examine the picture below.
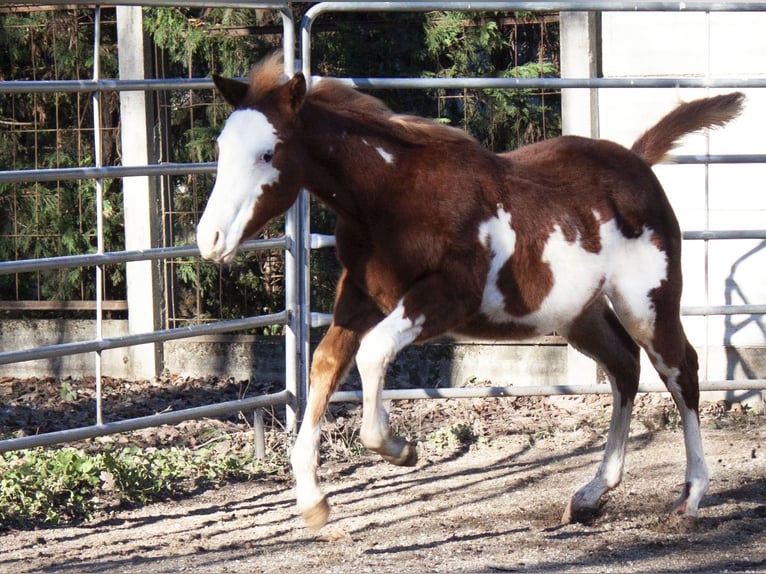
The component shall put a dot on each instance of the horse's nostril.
(216, 237)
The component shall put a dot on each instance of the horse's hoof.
(408, 454)
(578, 514)
(316, 516)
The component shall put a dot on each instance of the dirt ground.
(486, 496)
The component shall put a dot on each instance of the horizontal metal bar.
(171, 418)
(113, 257)
(320, 319)
(118, 171)
(715, 159)
(487, 83)
(324, 319)
(87, 86)
(319, 241)
(532, 390)
(103, 85)
(97, 345)
(724, 310)
(540, 6)
(105, 172)
(725, 234)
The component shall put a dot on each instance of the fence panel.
(298, 240)
(289, 317)
(674, 83)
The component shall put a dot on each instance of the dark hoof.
(579, 515)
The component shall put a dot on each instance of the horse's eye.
(267, 157)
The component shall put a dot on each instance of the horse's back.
(568, 176)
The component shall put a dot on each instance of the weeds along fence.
(297, 240)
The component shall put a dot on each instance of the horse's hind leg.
(599, 334)
(676, 362)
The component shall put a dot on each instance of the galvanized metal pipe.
(98, 345)
(593, 6)
(532, 391)
(373, 83)
(104, 172)
(171, 418)
(485, 83)
(112, 257)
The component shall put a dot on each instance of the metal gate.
(295, 254)
(298, 241)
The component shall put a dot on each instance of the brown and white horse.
(438, 235)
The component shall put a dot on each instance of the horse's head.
(259, 171)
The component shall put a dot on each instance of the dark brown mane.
(348, 101)
(268, 74)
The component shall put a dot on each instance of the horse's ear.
(232, 91)
(296, 87)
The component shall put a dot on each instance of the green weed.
(68, 484)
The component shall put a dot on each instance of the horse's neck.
(348, 165)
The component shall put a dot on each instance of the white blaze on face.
(245, 149)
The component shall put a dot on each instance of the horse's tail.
(687, 118)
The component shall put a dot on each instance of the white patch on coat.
(625, 269)
(304, 459)
(244, 168)
(387, 157)
(497, 235)
(636, 267)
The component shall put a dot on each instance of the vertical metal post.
(259, 434)
(97, 145)
(704, 369)
(296, 294)
(297, 304)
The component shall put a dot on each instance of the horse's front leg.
(354, 314)
(430, 308)
(378, 349)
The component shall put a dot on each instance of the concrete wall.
(718, 197)
(435, 364)
(17, 335)
(247, 357)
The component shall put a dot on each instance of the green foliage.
(474, 45)
(53, 486)
(459, 435)
(54, 131)
(200, 36)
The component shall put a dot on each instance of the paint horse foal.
(437, 235)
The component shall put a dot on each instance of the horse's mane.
(348, 101)
(268, 74)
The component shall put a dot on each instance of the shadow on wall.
(751, 364)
